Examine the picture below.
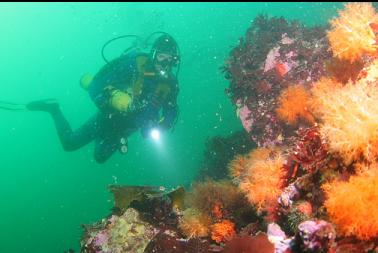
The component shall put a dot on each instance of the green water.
(45, 48)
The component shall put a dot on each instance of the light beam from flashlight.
(155, 134)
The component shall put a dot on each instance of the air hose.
(139, 43)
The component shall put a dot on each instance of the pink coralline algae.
(316, 235)
(101, 238)
(245, 116)
(278, 238)
(274, 58)
(127, 233)
(288, 195)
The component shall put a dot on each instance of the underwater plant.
(217, 199)
(344, 71)
(304, 207)
(369, 75)
(293, 105)
(349, 118)
(310, 149)
(223, 231)
(264, 181)
(352, 34)
(352, 205)
(237, 167)
(194, 224)
(260, 154)
(291, 218)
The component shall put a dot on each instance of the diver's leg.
(70, 140)
(105, 147)
(73, 140)
(113, 136)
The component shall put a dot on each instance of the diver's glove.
(120, 100)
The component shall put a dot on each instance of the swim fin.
(46, 105)
(5, 105)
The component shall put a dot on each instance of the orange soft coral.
(237, 167)
(304, 207)
(322, 90)
(349, 117)
(293, 105)
(193, 224)
(369, 75)
(217, 211)
(351, 35)
(352, 206)
(260, 154)
(223, 231)
(264, 181)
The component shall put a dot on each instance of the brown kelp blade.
(177, 197)
(125, 194)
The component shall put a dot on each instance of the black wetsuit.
(154, 98)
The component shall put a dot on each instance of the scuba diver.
(134, 91)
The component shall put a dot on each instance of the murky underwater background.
(46, 193)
